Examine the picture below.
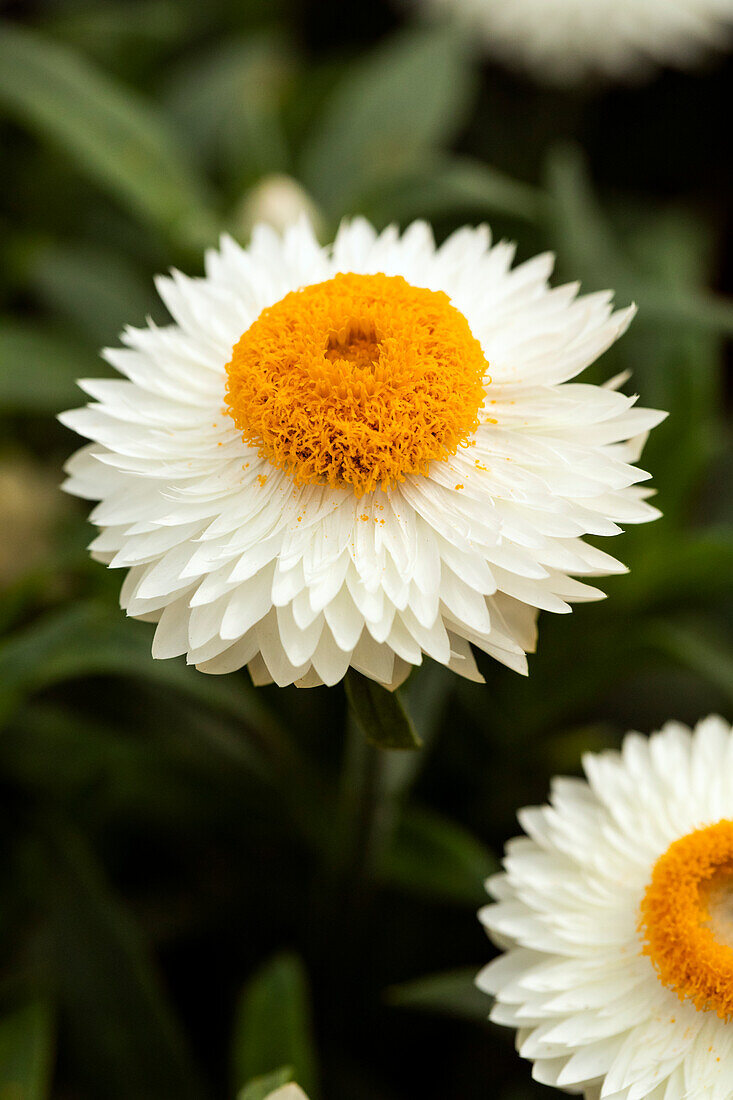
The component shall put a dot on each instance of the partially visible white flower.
(277, 200)
(564, 41)
(356, 455)
(615, 916)
(288, 1092)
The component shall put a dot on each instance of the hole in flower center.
(687, 918)
(717, 899)
(359, 346)
(357, 382)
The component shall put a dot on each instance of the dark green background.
(201, 883)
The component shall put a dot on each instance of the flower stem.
(359, 804)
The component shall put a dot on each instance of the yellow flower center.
(687, 918)
(357, 381)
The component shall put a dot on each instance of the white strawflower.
(564, 41)
(355, 455)
(615, 913)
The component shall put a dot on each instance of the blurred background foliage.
(207, 890)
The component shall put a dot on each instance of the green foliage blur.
(207, 890)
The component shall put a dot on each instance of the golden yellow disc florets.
(686, 918)
(357, 382)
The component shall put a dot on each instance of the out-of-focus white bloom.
(614, 915)
(288, 1092)
(360, 454)
(277, 200)
(563, 41)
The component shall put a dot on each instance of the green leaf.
(380, 714)
(26, 1047)
(673, 244)
(39, 368)
(673, 346)
(700, 309)
(453, 186)
(105, 31)
(273, 1025)
(681, 570)
(451, 993)
(390, 110)
(244, 139)
(672, 250)
(89, 639)
(586, 242)
(122, 1035)
(588, 246)
(262, 1087)
(91, 287)
(676, 367)
(703, 651)
(426, 695)
(437, 858)
(112, 135)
